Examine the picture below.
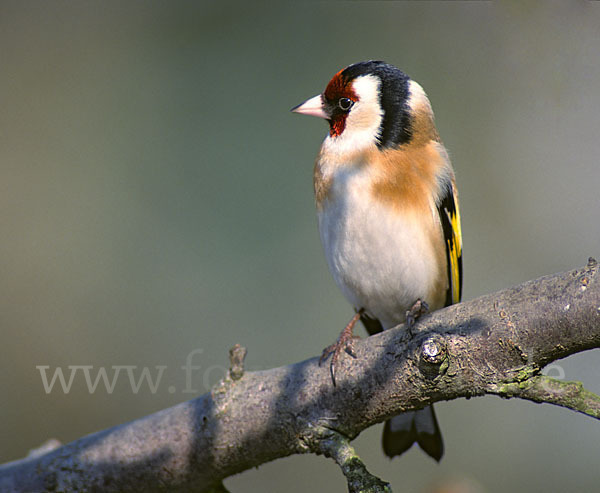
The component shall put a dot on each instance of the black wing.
(450, 219)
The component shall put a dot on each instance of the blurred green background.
(156, 198)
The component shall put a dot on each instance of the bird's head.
(372, 103)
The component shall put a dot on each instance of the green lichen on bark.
(333, 444)
(541, 388)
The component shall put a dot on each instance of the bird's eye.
(345, 104)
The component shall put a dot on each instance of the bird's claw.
(419, 308)
(343, 343)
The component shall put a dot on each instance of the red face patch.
(338, 88)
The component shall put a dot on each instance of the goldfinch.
(388, 215)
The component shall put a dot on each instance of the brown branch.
(496, 344)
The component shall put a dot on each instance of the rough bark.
(495, 344)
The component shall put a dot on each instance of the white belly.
(381, 260)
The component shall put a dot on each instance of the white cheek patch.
(364, 120)
(418, 100)
(367, 114)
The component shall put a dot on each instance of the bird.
(388, 216)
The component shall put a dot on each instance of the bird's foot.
(419, 308)
(343, 343)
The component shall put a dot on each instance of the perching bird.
(388, 215)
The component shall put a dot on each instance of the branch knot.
(433, 350)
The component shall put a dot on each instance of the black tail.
(403, 430)
(420, 426)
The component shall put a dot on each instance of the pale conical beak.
(313, 107)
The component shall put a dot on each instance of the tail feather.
(420, 426)
(403, 430)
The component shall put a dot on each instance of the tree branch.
(541, 389)
(496, 344)
(332, 444)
